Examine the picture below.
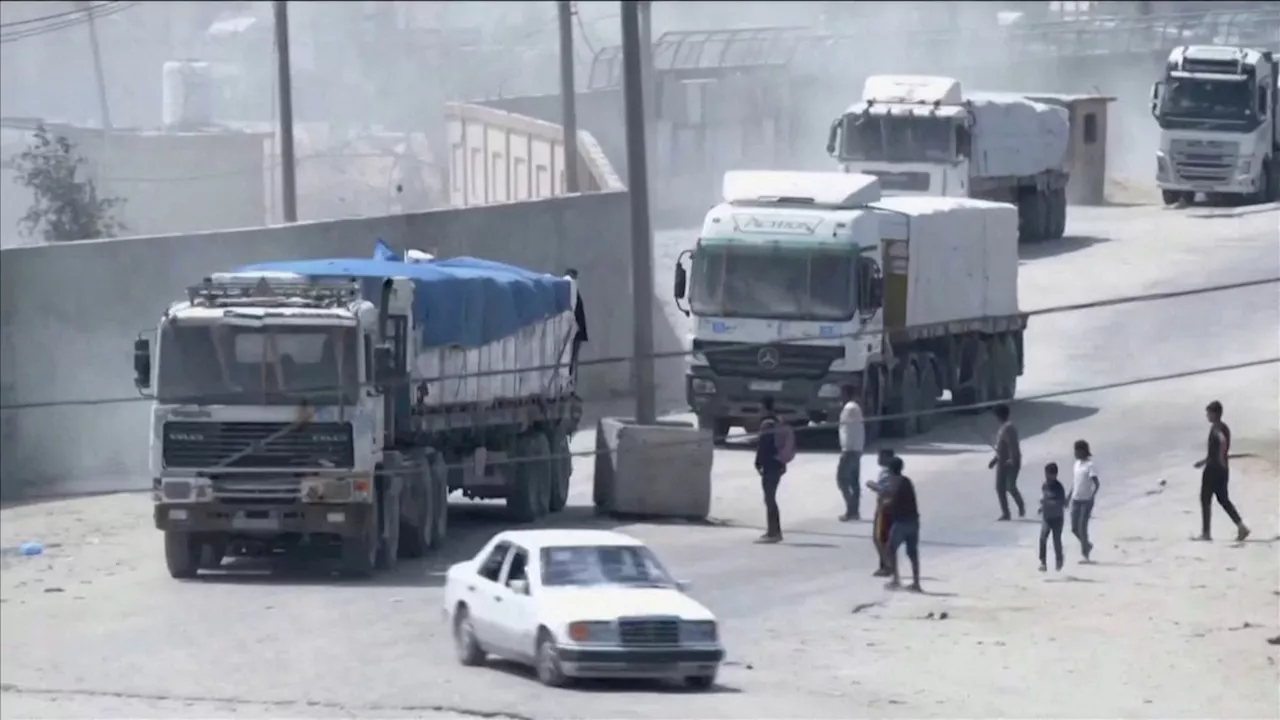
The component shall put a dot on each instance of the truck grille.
(1204, 161)
(757, 361)
(255, 490)
(649, 632)
(257, 445)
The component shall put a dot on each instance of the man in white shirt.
(1084, 488)
(853, 438)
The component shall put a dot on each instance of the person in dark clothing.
(1007, 463)
(771, 470)
(903, 513)
(1053, 503)
(1216, 471)
(580, 319)
(880, 526)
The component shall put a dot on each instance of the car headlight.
(594, 633)
(698, 631)
(702, 386)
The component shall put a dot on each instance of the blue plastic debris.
(30, 548)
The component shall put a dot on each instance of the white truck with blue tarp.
(336, 403)
(801, 283)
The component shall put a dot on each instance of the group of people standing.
(896, 522)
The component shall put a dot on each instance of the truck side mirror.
(142, 364)
(384, 367)
(1157, 90)
(1263, 105)
(681, 282)
(833, 135)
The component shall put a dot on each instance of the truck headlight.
(1244, 167)
(695, 632)
(1162, 165)
(322, 489)
(829, 391)
(185, 490)
(594, 633)
(702, 386)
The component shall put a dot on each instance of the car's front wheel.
(549, 672)
(701, 682)
(464, 639)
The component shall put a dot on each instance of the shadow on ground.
(1053, 248)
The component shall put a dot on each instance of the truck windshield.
(771, 281)
(1228, 100)
(889, 138)
(226, 365)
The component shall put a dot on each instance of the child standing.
(1053, 504)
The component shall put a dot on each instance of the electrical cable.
(736, 347)
(55, 16)
(92, 14)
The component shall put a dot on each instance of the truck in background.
(803, 282)
(337, 403)
(922, 135)
(1216, 107)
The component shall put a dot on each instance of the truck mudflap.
(346, 520)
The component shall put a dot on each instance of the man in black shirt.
(771, 469)
(903, 513)
(1216, 473)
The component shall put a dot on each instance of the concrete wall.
(70, 313)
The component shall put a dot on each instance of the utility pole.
(641, 239)
(288, 166)
(568, 97)
(104, 108)
(645, 8)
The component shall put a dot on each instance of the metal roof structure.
(811, 51)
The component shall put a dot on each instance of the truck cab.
(1216, 108)
(911, 132)
(783, 280)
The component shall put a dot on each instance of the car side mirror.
(142, 364)
(519, 587)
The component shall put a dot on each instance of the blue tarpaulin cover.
(463, 301)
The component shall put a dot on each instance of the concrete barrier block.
(661, 470)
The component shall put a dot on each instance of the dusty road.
(96, 628)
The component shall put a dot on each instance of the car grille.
(649, 632)
(793, 361)
(1204, 161)
(257, 445)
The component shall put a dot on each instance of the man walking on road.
(853, 439)
(904, 515)
(771, 469)
(1053, 503)
(1007, 463)
(1216, 473)
(1084, 488)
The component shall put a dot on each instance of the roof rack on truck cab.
(825, 190)
(259, 288)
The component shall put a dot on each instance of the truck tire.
(212, 551)
(901, 424)
(440, 502)
(928, 395)
(1170, 197)
(719, 428)
(359, 555)
(388, 548)
(529, 489)
(1058, 213)
(181, 554)
(1004, 362)
(415, 533)
(873, 400)
(975, 377)
(561, 470)
(1267, 190)
(1032, 216)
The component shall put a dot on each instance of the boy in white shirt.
(1084, 488)
(853, 438)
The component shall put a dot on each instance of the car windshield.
(773, 281)
(892, 138)
(628, 565)
(1199, 99)
(230, 365)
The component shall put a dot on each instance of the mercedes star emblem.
(768, 358)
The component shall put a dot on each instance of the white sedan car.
(579, 603)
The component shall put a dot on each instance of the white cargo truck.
(803, 282)
(334, 404)
(1216, 107)
(922, 135)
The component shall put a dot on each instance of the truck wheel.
(527, 489)
(181, 554)
(1170, 197)
(212, 551)
(1004, 369)
(360, 554)
(1031, 217)
(544, 472)
(975, 377)
(903, 424)
(928, 396)
(719, 428)
(1266, 192)
(1058, 214)
(873, 405)
(388, 548)
(439, 502)
(561, 471)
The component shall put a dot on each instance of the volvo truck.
(923, 135)
(801, 283)
(1216, 107)
(333, 405)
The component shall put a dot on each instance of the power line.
(94, 13)
(330, 388)
(55, 16)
